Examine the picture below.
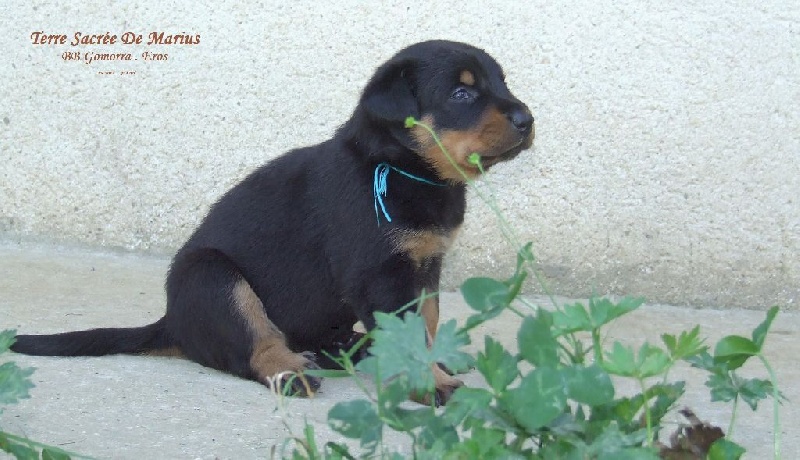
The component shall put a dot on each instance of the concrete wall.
(666, 162)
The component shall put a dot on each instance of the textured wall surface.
(667, 159)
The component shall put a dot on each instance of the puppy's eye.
(462, 94)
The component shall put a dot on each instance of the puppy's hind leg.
(271, 361)
(217, 319)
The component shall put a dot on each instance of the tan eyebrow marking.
(467, 78)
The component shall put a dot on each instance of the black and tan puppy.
(287, 261)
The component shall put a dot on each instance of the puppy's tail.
(96, 342)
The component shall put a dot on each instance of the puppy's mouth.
(489, 160)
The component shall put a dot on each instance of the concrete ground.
(146, 407)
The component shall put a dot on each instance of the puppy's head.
(460, 92)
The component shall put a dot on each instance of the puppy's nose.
(521, 118)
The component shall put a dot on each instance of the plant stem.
(505, 227)
(729, 434)
(647, 416)
(776, 428)
(598, 350)
(38, 445)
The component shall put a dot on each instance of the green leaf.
(485, 294)
(399, 347)
(446, 348)
(497, 365)
(603, 311)
(588, 385)
(400, 353)
(515, 285)
(465, 403)
(7, 338)
(652, 361)
(614, 444)
(723, 449)
(536, 342)
(734, 350)
(622, 411)
(327, 373)
(19, 451)
(340, 450)
(538, 400)
(516, 281)
(437, 436)
(760, 332)
(626, 411)
(48, 454)
(620, 361)
(525, 254)
(479, 318)
(687, 344)
(393, 393)
(572, 318)
(705, 361)
(54, 454)
(666, 395)
(722, 386)
(631, 453)
(576, 317)
(483, 443)
(357, 420)
(14, 383)
(412, 418)
(754, 390)
(309, 438)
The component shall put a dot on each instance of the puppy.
(288, 260)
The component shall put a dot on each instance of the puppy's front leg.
(445, 383)
(396, 284)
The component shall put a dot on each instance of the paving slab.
(132, 407)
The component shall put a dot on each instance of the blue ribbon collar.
(380, 187)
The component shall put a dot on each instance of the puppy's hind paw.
(295, 382)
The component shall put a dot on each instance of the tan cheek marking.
(492, 136)
(459, 145)
(467, 78)
(431, 152)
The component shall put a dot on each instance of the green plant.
(551, 398)
(554, 398)
(14, 385)
(730, 354)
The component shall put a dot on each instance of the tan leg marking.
(171, 352)
(270, 355)
(430, 311)
(445, 384)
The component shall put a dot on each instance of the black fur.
(302, 230)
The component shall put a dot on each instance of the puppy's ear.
(390, 95)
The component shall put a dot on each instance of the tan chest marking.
(422, 245)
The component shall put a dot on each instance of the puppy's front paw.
(445, 391)
(445, 387)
